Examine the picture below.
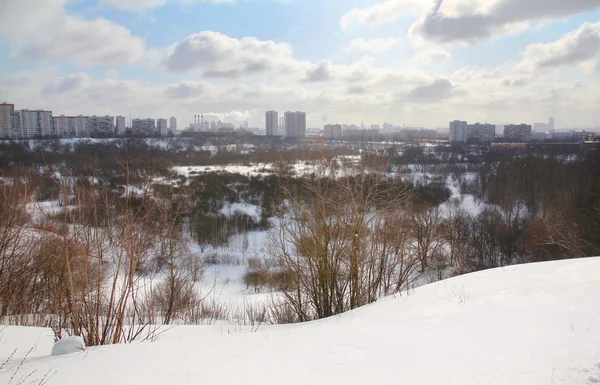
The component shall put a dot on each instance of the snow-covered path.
(528, 324)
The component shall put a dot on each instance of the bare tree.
(426, 233)
(332, 236)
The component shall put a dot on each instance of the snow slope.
(528, 324)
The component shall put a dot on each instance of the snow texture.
(252, 211)
(528, 324)
(68, 345)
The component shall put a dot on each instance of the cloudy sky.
(407, 62)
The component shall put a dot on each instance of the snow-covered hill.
(528, 324)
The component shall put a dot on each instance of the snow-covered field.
(528, 324)
(258, 169)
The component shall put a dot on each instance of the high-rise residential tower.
(295, 124)
(459, 131)
(162, 126)
(272, 123)
(121, 125)
(517, 132)
(9, 123)
(173, 124)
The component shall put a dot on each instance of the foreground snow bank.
(529, 324)
(67, 345)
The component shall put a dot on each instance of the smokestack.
(202, 118)
(194, 118)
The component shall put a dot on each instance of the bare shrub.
(283, 313)
(257, 280)
(63, 273)
(219, 258)
(332, 243)
(262, 275)
(17, 245)
(172, 297)
(255, 315)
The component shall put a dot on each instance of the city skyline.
(410, 62)
(27, 123)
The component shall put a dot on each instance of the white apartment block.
(35, 123)
(45, 123)
(78, 126)
(483, 133)
(71, 126)
(104, 125)
(333, 131)
(272, 125)
(459, 131)
(162, 126)
(121, 125)
(144, 126)
(173, 124)
(295, 124)
(517, 133)
(9, 123)
(61, 125)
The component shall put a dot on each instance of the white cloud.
(438, 89)
(381, 13)
(186, 90)
(577, 48)
(220, 56)
(379, 45)
(431, 55)
(50, 33)
(67, 84)
(320, 73)
(472, 21)
(466, 21)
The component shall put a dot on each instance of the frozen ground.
(528, 324)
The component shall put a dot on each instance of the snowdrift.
(528, 324)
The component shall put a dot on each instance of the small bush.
(262, 275)
(216, 258)
(173, 296)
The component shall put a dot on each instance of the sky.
(406, 62)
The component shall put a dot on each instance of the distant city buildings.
(162, 126)
(459, 131)
(173, 124)
(388, 128)
(333, 131)
(204, 125)
(9, 125)
(517, 133)
(272, 123)
(482, 133)
(34, 123)
(29, 124)
(295, 124)
(485, 133)
(544, 127)
(121, 125)
(70, 126)
(101, 125)
(146, 127)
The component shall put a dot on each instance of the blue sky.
(397, 61)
